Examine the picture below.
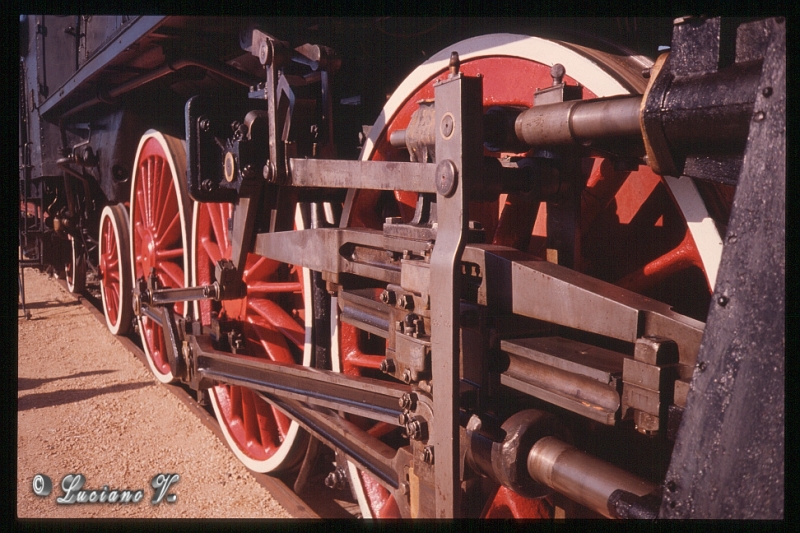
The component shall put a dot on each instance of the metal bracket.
(459, 143)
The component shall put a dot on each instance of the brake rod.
(369, 452)
(371, 398)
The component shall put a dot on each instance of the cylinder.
(578, 121)
(710, 114)
(580, 477)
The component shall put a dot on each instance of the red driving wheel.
(159, 210)
(114, 267)
(276, 326)
(633, 225)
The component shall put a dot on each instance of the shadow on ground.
(62, 397)
(28, 383)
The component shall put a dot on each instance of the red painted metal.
(272, 314)
(505, 503)
(157, 236)
(109, 270)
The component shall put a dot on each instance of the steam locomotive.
(473, 267)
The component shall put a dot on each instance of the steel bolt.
(407, 375)
(427, 455)
(263, 54)
(388, 297)
(455, 64)
(387, 366)
(557, 72)
(408, 401)
(411, 320)
(416, 429)
(207, 185)
(205, 124)
(404, 488)
(405, 302)
(336, 480)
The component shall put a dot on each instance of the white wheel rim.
(176, 162)
(108, 212)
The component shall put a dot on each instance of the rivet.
(722, 300)
(759, 116)
(672, 486)
(767, 91)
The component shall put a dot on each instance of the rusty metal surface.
(729, 454)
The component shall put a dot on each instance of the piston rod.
(576, 121)
(168, 296)
(582, 478)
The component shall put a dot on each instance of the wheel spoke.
(249, 417)
(225, 211)
(681, 257)
(167, 199)
(140, 231)
(174, 272)
(172, 234)
(279, 320)
(148, 191)
(165, 255)
(111, 303)
(268, 423)
(212, 249)
(138, 213)
(267, 287)
(262, 268)
(219, 228)
(235, 398)
(283, 422)
(271, 342)
(601, 188)
(111, 262)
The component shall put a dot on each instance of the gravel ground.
(88, 406)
